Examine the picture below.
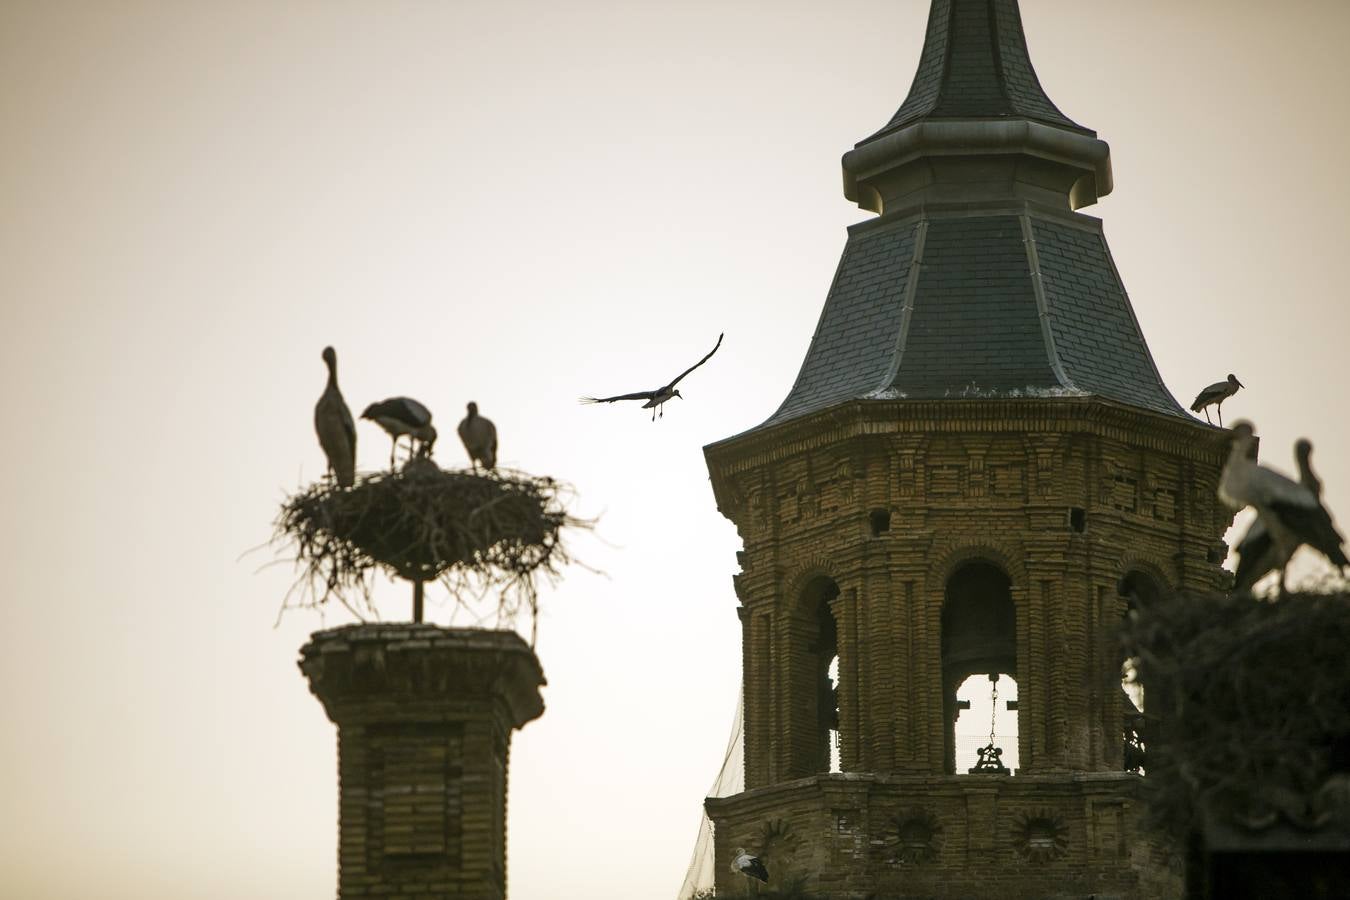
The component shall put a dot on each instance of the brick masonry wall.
(888, 499)
(424, 718)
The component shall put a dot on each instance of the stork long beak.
(1239, 384)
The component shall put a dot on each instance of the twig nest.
(424, 523)
(1245, 700)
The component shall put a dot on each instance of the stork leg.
(1205, 410)
(1219, 410)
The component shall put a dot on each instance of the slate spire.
(979, 280)
(975, 65)
(976, 113)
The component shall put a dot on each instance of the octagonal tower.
(976, 452)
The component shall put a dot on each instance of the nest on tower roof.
(475, 533)
(1247, 706)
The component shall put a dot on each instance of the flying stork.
(1257, 552)
(480, 438)
(1289, 512)
(403, 415)
(656, 399)
(749, 866)
(334, 425)
(1214, 395)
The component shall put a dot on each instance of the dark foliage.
(1248, 706)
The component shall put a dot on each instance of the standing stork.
(1290, 512)
(1214, 395)
(404, 415)
(749, 866)
(656, 399)
(480, 438)
(334, 425)
(1257, 552)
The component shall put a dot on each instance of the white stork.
(403, 415)
(480, 438)
(1257, 552)
(1289, 512)
(334, 425)
(749, 866)
(1214, 395)
(656, 399)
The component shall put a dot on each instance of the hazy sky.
(514, 203)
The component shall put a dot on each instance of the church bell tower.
(977, 451)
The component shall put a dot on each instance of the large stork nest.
(1248, 708)
(474, 533)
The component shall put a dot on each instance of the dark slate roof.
(975, 65)
(854, 343)
(1095, 333)
(975, 325)
(972, 322)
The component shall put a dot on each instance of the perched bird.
(403, 415)
(1290, 512)
(480, 438)
(1214, 395)
(1257, 552)
(656, 399)
(334, 425)
(749, 866)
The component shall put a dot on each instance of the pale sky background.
(514, 203)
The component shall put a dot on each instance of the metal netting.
(699, 877)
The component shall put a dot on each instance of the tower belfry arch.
(978, 446)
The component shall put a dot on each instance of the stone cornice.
(774, 797)
(374, 663)
(873, 159)
(761, 447)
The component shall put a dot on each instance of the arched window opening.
(818, 679)
(834, 730)
(1139, 591)
(986, 714)
(979, 638)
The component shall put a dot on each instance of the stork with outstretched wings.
(656, 399)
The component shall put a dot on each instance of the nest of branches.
(474, 533)
(1248, 705)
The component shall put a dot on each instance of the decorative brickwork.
(424, 718)
(1060, 495)
(1010, 838)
